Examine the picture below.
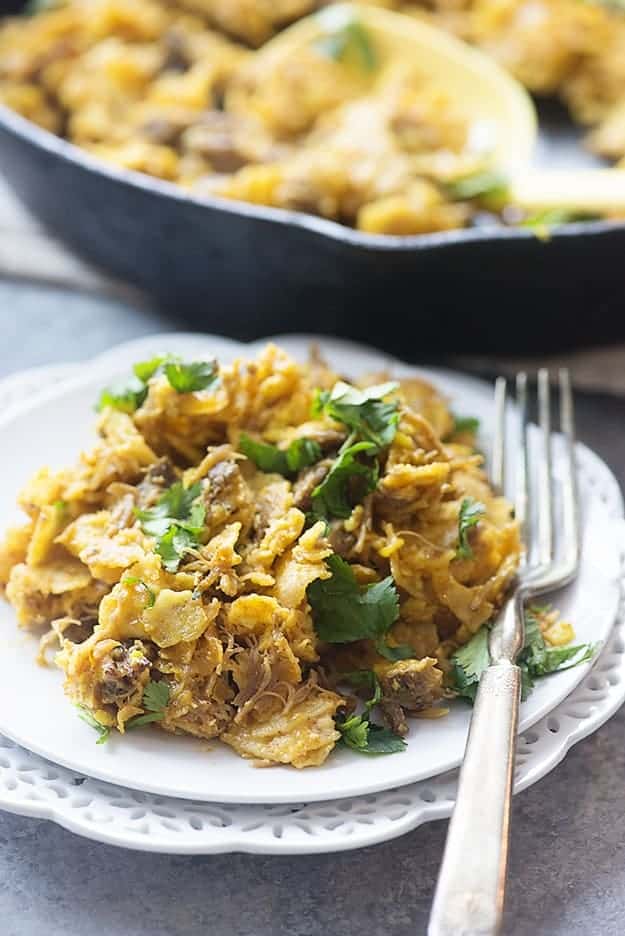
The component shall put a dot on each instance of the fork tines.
(542, 481)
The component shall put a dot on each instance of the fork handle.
(470, 890)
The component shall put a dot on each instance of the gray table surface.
(567, 874)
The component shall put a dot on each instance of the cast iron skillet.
(246, 271)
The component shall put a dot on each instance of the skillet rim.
(44, 140)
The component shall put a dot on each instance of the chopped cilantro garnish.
(470, 513)
(359, 732)
(373, 424)
(189, 378)
(346, 483)
(535, 660)
(128, 395)
(176, 522)
(173, 545)
(378, 740)
(155, 701)
(552, 216)
(349, 42)
(146, 369)
(400, 652)
(363, 411)
(542, 222)
(156, 696)
(176, 503)
(132, 580)
(90, 719)
(124, 395)
(469, 663)
(466, 424)
(484, 185)
(300, 454)
(362, 679)
(344, 611)
(354, 731)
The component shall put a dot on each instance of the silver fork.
(470, 891)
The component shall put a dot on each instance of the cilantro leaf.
(381, 740)
(466, 424)
(143, 370)
(197, 516)
(373, 425)
(364, 736)
(485, 185)
(473, 657)
(544, 220)
(178, 500)
(365, 679)
(551, 659)
(363, 411)
(128, 395)
(346, 483)
(320, 400)
(173, 546)
(155, 700)
(123, 395)
(189, 378)
(358, 731)
(156, 696)
(103, 730)
(354, 731)
(471, 512)
(535, 660)
(268, 458)
(400, 652)
(469, 662)
(146, 719)
(344, 611)
(300, 454)
(362, 679)
(153, 526)
(132, 580)
(176, 522)
(175, 503)
(349, 42)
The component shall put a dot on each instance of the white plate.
(31, 786)
(52, 426)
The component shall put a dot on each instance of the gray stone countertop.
(567, 873)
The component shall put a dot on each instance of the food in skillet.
(168, 87)
(249, 550)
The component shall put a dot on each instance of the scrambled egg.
(187, 564)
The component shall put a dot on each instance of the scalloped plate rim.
(108, 359)
(425, 812)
